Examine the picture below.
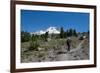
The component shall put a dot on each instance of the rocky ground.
(80, 52)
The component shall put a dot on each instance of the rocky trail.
(62, 54)
(66, 55)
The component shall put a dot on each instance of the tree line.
(67, 33)
(25, 36)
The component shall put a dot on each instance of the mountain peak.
(50, 30)
(53, 30)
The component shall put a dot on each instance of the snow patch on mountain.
(50, 30)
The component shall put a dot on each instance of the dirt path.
(67, 55)
(78, 47)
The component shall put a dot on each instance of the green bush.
(25, 36)
(33, 45)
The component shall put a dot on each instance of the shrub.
(33, 45)
(25, 36)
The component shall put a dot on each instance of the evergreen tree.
(74, 33)
(25, 36)
(65, 34)
(61, 32)
(46, 36)
(70, 32)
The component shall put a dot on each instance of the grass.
(53, 43)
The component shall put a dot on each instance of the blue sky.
(32, 20)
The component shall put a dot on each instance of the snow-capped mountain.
(50, 30)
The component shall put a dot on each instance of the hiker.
(69, 43)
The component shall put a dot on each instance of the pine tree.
(46, 36)
(25, 36)
(74, 33)
(65, 34)
(70, 32)
(61, 32)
